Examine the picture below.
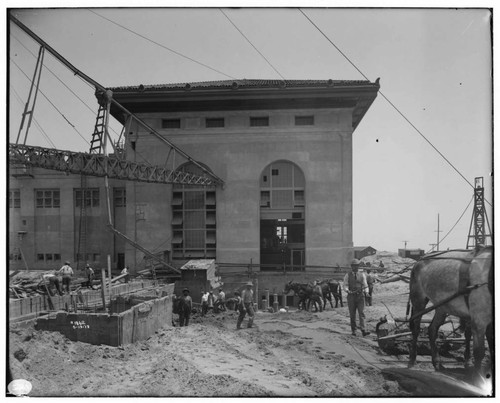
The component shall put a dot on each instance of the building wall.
(238, 154)
(54, 231)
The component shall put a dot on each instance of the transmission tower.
(479, 229)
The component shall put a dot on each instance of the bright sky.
(434, 66)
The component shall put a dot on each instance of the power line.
(390, 103)
(50, 102)
(454, 225)
(248, 40)
(160, 45)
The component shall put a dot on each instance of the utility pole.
(438, 231)
(405, 242)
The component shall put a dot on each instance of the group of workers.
(243, 304)
(358, 286)
(52, 282)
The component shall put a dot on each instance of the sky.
(434, 65)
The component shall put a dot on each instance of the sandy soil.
(286, 354)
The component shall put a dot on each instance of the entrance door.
(121, 261)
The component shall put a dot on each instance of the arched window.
(193, 219)
(282, 221)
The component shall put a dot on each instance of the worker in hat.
(89, 273)
(247, 301)
(67, 273)
(185, 305)
(355, 285)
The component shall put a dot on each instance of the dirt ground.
(287, 354)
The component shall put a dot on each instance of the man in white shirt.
(355, 286)
(67, 273)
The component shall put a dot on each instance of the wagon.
(394, 336)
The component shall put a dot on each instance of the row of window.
(56, 257)
(255, 121)
(51, 198)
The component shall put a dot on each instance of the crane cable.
(42, 131)
(390, 103)
(248, 40)
(51, 103)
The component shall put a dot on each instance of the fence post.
(103, 287)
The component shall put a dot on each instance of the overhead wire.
(251, 44)
(42, 131)
(61, 81)
(143, 158)
(390, 103)
(51, 103)
(160, 45)
(456, 223)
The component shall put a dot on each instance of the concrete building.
(283, 149)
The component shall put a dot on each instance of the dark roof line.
(248, 83)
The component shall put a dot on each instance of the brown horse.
(458, 283)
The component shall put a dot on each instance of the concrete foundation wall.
(137, 323)
(38, 304)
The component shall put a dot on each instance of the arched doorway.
(282, 217)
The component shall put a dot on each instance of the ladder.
(97, 137)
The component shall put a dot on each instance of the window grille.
(304, 120)
(119, 197)
(259, 121)
(91, 197)
(47, 198)
(171, 124)
(214, 122)
(15, 198)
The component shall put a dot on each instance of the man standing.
(67, 273)
(247, 300)
(204, 303)
(354, 285)
(220, 304)
(370, 280)
(89, 273)
(125, 271)
(185, 307)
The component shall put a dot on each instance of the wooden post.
(257, 293)
(109, 275)
(103, 287)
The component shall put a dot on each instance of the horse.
(306, 293)
(331, 287)
(458, 283)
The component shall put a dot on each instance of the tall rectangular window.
(194, 221)
(91, 197)
(14, 198)
(119, 197)
(259, 121)
(304, 120)
(47, 198)
(170, 123)
(214, 122)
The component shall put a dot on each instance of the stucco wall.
(238, 154)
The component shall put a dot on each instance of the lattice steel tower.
(479, 229)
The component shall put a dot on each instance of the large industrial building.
(282, 148)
